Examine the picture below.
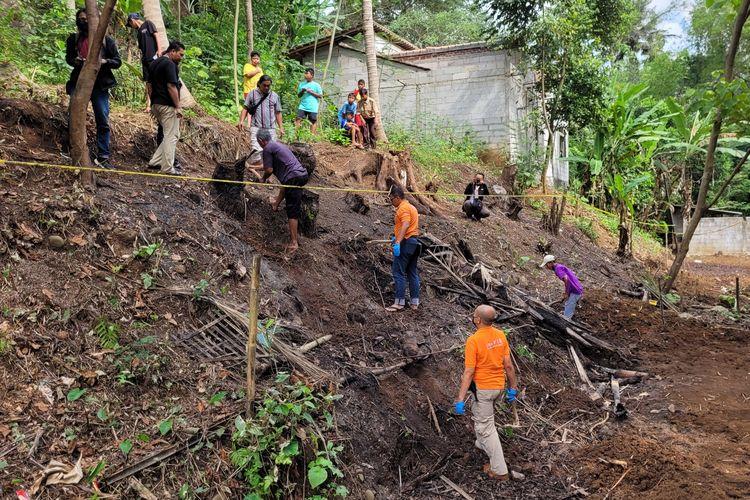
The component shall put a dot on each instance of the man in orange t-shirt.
(487, 364)
(406, 249)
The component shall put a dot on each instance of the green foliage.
(199, 289)
(436, 148)
(75, 394)
(524, 351)
(148, 280)
(108, 333)
(94, 472)
(429, 28)
(136, 362)
(165, 426)
(126, 446)
(587, 228)
(274, 446)
(217, 398)
(144, 252)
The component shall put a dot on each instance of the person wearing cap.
(148, 44)
(573, 288)
(488, 373)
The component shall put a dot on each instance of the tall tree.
(562, 42)
(250, 27)
(152, 12)
(743, 12)
(79, 100)
(371, 54)
(70, 4)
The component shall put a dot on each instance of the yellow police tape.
(311, 188)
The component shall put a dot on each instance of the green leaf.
(217, 398)
(126, 446)
(76, 393)
(317, 476)
(102, 415)
(165, 426)
(94, 472)
(3, 464)
(240, 424)
(143, 438)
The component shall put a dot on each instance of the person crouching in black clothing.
(475, 192)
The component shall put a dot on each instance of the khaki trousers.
(483, 415)
(170, 122)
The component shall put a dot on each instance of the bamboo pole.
(737, 294)
(234, 53)
(252, 332)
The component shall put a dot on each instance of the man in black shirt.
(475, 192)
(76, 52)
(165, 87)
(148, 43)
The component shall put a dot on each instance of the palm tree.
(250, 29)
(152, 12)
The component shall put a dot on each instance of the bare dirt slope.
(54, 293)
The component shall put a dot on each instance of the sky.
(675, 21)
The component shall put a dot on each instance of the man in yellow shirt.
(406, 249)
(486, 364)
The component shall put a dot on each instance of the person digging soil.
(279, 160)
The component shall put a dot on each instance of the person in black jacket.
(475, 192)
(76, 52)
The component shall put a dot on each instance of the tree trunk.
(549, 150)
(250, 28)
(152, 12)
(623, 247)
(71, 4)
(708, 171)
(234, 53)
(373, 79)
(333, 37)
(79, 101)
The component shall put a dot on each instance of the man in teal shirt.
(310, 92)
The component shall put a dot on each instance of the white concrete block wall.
(728, 235)
(480, 90)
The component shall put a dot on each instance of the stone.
(685, 315)
(671, 408)
(180, 269)
(369, 495)
(56, 241)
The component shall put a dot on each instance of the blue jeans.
(570, 304)
(405, 266)
(100, 104)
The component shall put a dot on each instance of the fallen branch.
(456, 488)
(144, 492)
(615, 485)
(315, 343)
(434, 417)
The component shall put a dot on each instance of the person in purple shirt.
(573, 288)
(279, 160)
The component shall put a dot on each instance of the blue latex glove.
(393, 240)
(458, 408)
(396, 249)
(511, 394)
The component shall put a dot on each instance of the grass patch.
(587, 228)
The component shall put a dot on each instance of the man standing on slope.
(165, 106)
(263, 106)
(148, 44)
(406, 249)
(573, 288)
(310, 93)
(487, 362)
(279, 160)
(76, 53)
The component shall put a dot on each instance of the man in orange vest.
(487, 363)
(406, 249)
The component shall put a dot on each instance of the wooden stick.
(615, 485)
(315, 343)
(252, 332)
(456, 488)
(142, 491)
(434, 417)
(579, 366)
(445, 266)
(737, 294)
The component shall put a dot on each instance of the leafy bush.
(273, 447)
(587, 228)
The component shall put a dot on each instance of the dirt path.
(688, 434)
